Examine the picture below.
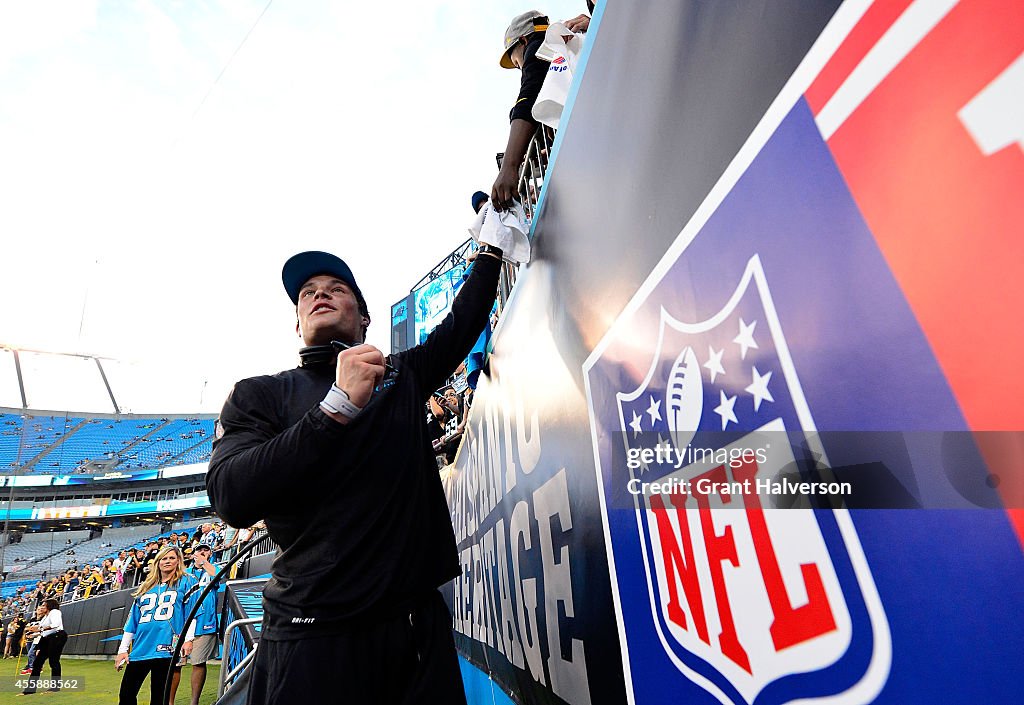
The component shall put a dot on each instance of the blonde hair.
(154, 571)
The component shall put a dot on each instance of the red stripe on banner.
(949, 219)
(1017, 518)
(875, 22)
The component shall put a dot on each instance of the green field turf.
(101, 684)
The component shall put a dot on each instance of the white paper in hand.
(505, 229)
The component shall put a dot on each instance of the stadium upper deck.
(75, 443)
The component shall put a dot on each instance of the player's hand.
(119, 661)
(359, 369)
(578, 24)
(504, 188)
(186, 649)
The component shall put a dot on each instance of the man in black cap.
(336, 457)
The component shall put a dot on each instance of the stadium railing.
(529, 187)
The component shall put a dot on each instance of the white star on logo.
(759, 389)
(654, 410)
(714, 363)
(644, 467)
(724, 409)
(635, 424)
(746, 338)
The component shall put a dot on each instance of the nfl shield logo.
(751, 601)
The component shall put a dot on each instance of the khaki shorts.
(203, 649)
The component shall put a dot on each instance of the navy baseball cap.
(478, 198)
(301, 267)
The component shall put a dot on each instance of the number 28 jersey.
(158, 617)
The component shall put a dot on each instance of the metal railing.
(226, 678)
(534, 168)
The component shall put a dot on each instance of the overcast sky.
(146, 208)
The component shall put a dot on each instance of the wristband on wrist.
(490, 250)
(337, 401)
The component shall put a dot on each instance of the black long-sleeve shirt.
(534, 72)
(358, 510)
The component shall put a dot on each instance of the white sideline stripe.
(906, 32)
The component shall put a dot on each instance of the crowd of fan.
(127, 569)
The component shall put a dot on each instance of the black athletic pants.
(405, 660)
(135, 673)
(49, 649)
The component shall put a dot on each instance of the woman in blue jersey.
(155, 621)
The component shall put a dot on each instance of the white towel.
(505, 229)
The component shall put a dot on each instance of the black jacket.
(358, 510)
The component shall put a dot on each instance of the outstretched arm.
(505, 186)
